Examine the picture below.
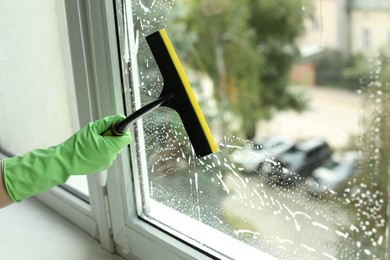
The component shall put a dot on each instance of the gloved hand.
(84, 152)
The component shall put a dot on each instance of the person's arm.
(87, 151)
(5, 199)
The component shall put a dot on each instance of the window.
(315, 24)
(366, 39)
(239, 70)
(161, 202)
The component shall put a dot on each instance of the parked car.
(332, 174)
(297, 163)
(250, 156)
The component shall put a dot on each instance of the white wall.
(37, 103)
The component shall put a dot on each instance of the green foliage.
(277, 21)
(335, 69)
(354, 72)
(329, 66)
(246, 47)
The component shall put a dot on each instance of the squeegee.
(176, 94)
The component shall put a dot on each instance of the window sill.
(42, 234)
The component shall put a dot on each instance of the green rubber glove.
(84, 152)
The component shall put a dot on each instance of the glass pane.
(300, 113)
(78, 185)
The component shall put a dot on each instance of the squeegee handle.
(118, 128)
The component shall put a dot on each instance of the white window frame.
(95, 73)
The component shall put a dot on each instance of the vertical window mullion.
(97, 80)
